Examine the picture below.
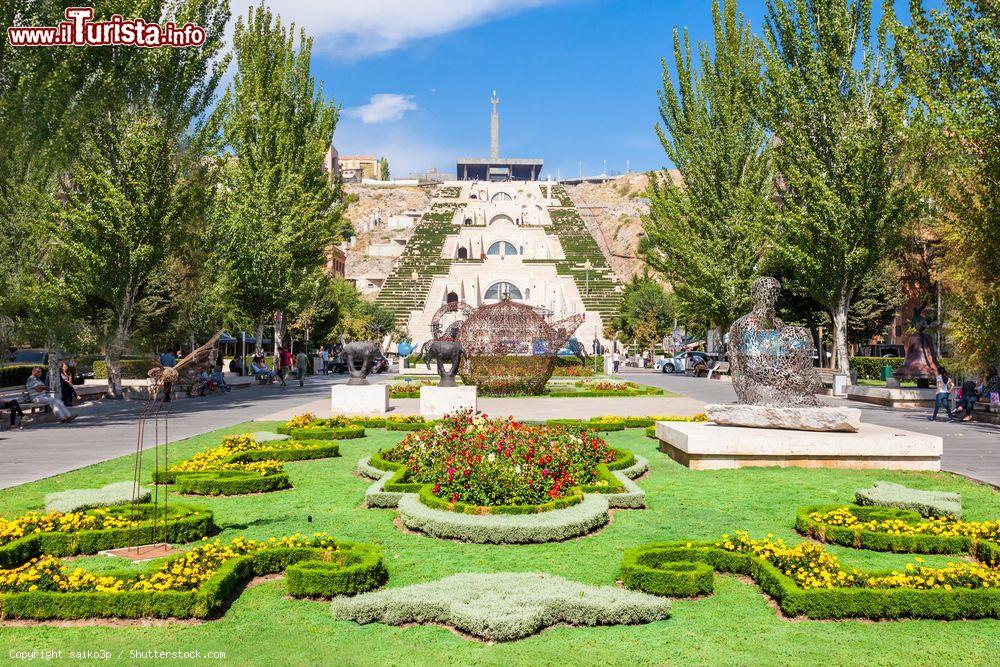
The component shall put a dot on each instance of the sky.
(577, 79)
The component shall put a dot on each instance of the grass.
(735, 625)
(906, 384)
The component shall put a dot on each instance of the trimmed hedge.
(657, 571)
(926, 503)
(239, 482)
(815, 603)
(323, 432)
(358, 568)
(180, 529)
(870, 368)
(131, 369)
(850, 536)
(14, 375)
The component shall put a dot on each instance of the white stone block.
(897, 397)
(439, 401)
(371, 399)
(820, 418)
(708, 446)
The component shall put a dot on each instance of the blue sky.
(577, 79)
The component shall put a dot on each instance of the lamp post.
(588, 266)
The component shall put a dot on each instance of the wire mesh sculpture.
(163, 379)
(510, 348)
(771, 363)
(454, 313)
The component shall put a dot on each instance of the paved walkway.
(971, 449)
(107, 430)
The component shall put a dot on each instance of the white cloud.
(360, 29)
(382, 108)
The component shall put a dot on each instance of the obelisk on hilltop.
(494, 128)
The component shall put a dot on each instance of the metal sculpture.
(511, 349)
(163, 379)
(442, 351)
(921, 362)
(771, 363)
(455, 311)
(359, 356)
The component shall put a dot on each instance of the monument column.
(494, 130)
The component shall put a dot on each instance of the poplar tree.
(706, 234)
(838, 120)
(278, 213)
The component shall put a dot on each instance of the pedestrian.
(302, 366)
(944, 385)
(220, 361)
(324, 355)
(971, 392)
(287, 363)
(66, 388)
(38, 392)
(16, 413)
(616, 360)
(168, 359)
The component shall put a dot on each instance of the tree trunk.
(260, 337)
(279, 330)
(839, 315)
(55, 356)
(113, 358)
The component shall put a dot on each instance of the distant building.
(336, 261)
(331, 163)
(432, 176)
(495, 168)
(354, 168)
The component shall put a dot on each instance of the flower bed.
(241, 465)
(194, 584)
(890, 529)
(481, 462)
(344, 428)
(603, 388)
(34, 534)
(501, 482)
(409, 389)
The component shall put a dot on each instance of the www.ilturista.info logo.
(80, 30)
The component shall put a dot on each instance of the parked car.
(682, 361)
(27, 357)
(338, 364)
(882, 351)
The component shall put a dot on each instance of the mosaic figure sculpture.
(359, 356)
(773, 375)
(921, 360)
(441, 351)
(771, 363)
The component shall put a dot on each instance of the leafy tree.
(383, 169)
(706, 234)
(950, 58)
(839, 126)
(278, 212)
(646, 312)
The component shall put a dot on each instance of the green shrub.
(926, 503)
(132, 369)
(349, 573)
(663, 572)
(819, 603)
(870, 368)
(14, 375)
(324, 432)
(857, 538)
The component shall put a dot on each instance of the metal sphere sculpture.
(771, 363)
(510, 347)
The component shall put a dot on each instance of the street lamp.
(588, 266)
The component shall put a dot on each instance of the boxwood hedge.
(644, 571)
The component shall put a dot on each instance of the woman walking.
(945, 385)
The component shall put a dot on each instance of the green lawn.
(736, 625)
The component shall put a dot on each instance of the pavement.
(108, 429)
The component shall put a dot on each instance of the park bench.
(826, 376)
(33, 412)
(719, 368)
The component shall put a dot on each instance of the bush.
(74, 500)
(503, 606)
(660, 572)
(132, 369)
(870, 368)
(816, 603)
(926, 503)
(14, 375)
(325, 432)
(349, 572)
(508, 375)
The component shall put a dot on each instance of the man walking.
(302, 366)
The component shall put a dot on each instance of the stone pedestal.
(370, 399)
(895, 397)
(709, 446)
(608, 365)
(820, 418)
(439, 401)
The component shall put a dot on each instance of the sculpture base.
(822, 419)
(894, 397)
(370, 399)
(437, 402)
(708, 446)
